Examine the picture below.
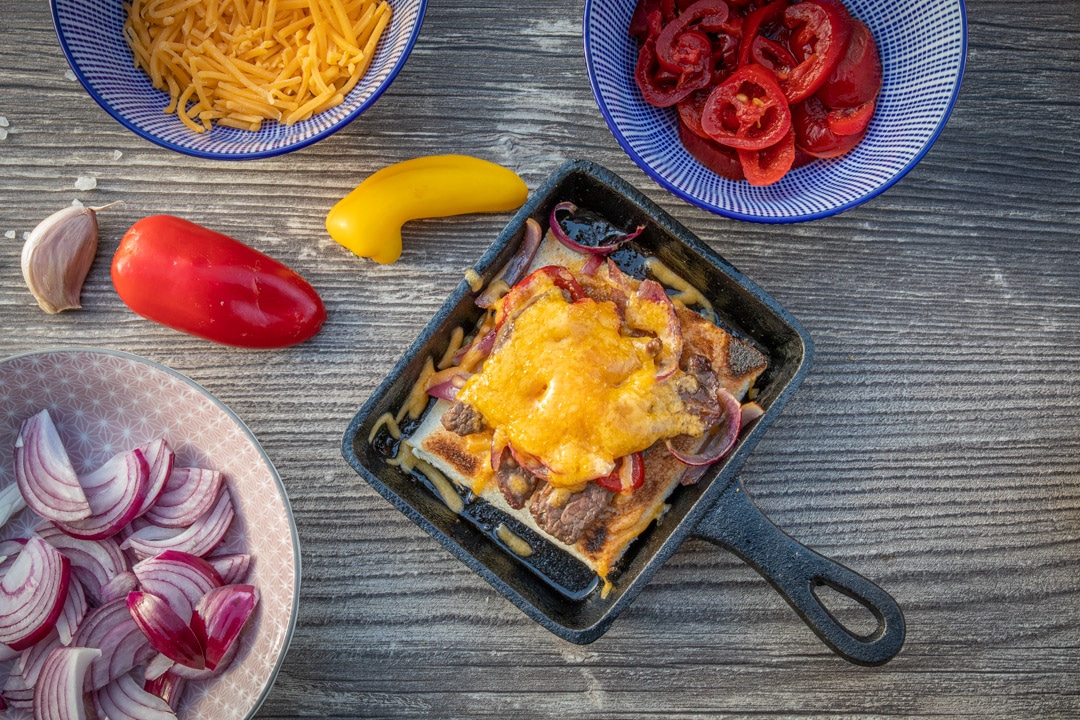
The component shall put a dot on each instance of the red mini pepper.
(201, 282)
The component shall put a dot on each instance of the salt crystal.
(26, 235)
(3, 134)
(77, 203)
(3, 121)
(10, 234)
(85, 183)
(70, 75)
(116, 154)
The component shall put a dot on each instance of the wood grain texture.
(934, 447)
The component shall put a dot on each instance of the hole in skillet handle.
(742, 307)
(797, 573)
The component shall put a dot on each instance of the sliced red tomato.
(767, 166)
(814, 134)
(756, 24)
(747, 111)
(857, 78)
(721, 160)
(851, 121)
(663, 88)
(819, 39)
(628, 475)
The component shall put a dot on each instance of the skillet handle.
(736, 524)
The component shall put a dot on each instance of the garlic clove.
(57, 257)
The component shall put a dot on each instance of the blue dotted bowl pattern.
(923, 44)
(91, 35)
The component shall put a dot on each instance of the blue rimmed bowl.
(923, 45)
(91, 35)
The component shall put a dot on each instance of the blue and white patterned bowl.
(91, 35)
(923, 44)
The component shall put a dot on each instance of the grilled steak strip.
(516, 483)
(567, 515)
(462, 419)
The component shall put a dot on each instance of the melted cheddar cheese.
(567, 387)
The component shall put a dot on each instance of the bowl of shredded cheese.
(236, 79)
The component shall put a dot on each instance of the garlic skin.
(57, 257)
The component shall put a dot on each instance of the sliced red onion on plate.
(19, 687)
(9, 550)
(515, 267)
(219, 617)
(11, 502)
(233, 568)
(125, 699)
(167, 632)
(58, 693)
(111, 629)
(160, 459)
(115, 492)
(119, 587)
(93, 562)
(32, 594)
(188, 494)
(169, 687)
(178, 578)
(44, 473)
(199, 539)
(159, 665)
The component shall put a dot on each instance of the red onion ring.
(44, 474)
(32, 594)
(718, 445)
(188, 494)
(115, 492)
(58, 693)
(167, 632)
(516, 266)
(561, 236)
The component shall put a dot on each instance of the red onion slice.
(219, 617)
(516, 266)
(592, 265)
(158, 666)
(750, 412)
(11, 502)
(169, 687)
(44, 474)
(199, 539)
(719, 443)
(188, 494)
(125, 699)
(445, 383)
(166, 631)
(115, 491)
(58, 694)
(111, 629)
(178, 578)
(560, 234)
(9, 550)
(187, 673)
(119, 587)
(74, 610)
(233, 569)
(19, 688)
(32, 594)
(94, 562)
(160, 458)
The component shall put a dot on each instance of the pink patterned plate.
(103, 402)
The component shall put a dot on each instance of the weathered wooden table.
(934, 447)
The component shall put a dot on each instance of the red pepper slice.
(765, 167)
(690, 109)
(664, 89)
(747, 111)
(628, 475)
(646, 21)
(813, 133)
(819, 39)
(764, 16)
(674, 50)
(857, 78)
(721, 160)
(851, 121)
(537, 283)
(201, 282)
(773, 56)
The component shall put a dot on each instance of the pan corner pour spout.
(738, 525)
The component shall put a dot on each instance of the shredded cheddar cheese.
(240, 62)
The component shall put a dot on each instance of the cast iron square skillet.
(554, 588)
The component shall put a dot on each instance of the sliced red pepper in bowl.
(857, 78)
(767, 166)
(815, 135)
(747, 111)
(851, 121)
(819, 39)
(662, 88)
(756, 23)
(721, 160)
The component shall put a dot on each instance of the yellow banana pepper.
(368, 220)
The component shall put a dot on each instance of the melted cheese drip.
(568, 388)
